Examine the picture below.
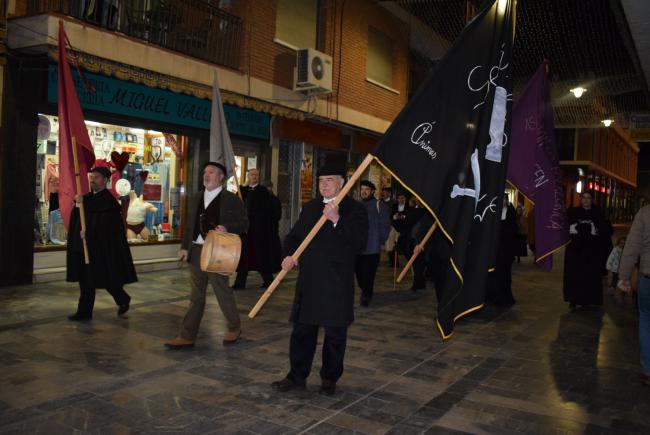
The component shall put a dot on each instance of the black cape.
(260, 250)
(111, 264)
(325, 288)
(583, 257)
(499, 284)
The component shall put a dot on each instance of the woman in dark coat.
(583, 257)
(499, 287)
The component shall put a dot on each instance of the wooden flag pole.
(415, 254)
(82, 212)
(237, 182)
(353, 179)
(394, 268)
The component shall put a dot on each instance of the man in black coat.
(111, 265)
(275, 216)
(325, 287)
(401, 210)
(257, 252)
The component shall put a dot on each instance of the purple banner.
(534, 168)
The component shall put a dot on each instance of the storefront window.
(150, 185)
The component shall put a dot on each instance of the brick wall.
(21, 8)
(272, 62)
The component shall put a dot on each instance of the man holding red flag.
(111, 265)
(100, 232)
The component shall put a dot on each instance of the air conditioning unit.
(313, 71)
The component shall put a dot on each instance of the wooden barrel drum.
(220, 253)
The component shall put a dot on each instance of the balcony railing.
(192, 27)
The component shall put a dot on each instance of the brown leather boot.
(231, 337)
(179, 343)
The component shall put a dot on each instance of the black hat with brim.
(218, 165)
(333, 166)
(102, 170)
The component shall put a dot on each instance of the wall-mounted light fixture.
(577, 92)
(607, 122)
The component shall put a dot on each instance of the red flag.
(71, 124)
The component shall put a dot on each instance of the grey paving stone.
(531, 369)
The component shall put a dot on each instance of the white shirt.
(208, 197)
(401, 207)
(327, 201)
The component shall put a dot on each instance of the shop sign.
(106, 94)
(640, 127)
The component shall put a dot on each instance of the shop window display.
(147, 167)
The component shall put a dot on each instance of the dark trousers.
(87, 294)
(614, 282)
(242, 275)
(366, 269)
(199, 281)
(419, 269)
(303, 347)
(419, 266)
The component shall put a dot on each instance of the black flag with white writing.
(449, 147)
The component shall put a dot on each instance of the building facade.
(144, 72)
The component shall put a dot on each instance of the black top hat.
(103, 170)
(334, 165)
(218, 165)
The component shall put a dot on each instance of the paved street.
(533, 369)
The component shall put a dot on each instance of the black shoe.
(285, 385)
(238, 286)
(266, 284)
(365, 302)
(327, 388)
(572, 307)
(123, 309)
(417, 287)
(76, 317)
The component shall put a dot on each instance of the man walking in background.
(378, 229)
(637, 247)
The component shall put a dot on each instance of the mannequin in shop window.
(135, 217)
(50, 182)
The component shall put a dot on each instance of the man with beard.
(111, 265)
(378, 229)
(213, 209)
(257, 251)
(325, 287)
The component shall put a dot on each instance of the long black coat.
(260, 251)
(499, 285)
(276, 246)
(325, 288)
(583, 257)
(111, 264)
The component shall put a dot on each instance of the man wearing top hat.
(213, 209)
(324, 294)
(111, 265)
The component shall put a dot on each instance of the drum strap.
(206, 219)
